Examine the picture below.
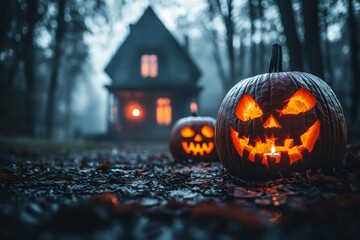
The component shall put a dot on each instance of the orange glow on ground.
(248, 108)
(308, 140)
(302, 101)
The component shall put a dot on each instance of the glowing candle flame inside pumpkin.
(271, 154)
(272, 150)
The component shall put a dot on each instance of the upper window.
(149, 66)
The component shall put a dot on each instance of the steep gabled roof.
(149, 35)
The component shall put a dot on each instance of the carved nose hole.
(271, 122)
(198, 138)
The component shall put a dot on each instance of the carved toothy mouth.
(308, 140)
(197, 148)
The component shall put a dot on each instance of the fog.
(53, 54)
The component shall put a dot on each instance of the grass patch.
(20, 145)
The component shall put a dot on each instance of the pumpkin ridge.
(295, 79)
(341, 127)
(248, 88)
(337, 107)
(328, 138)
(330, 135)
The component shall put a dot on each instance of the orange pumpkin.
(279, 122)
(193, 138)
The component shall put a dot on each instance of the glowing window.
(149, 66)
(163, 111)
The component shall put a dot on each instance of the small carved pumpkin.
(193, 138)
(279, 122)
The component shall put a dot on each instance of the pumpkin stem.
(194, 109)
(276, 59)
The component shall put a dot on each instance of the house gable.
(150, 36)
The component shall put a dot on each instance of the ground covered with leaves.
(136, 191)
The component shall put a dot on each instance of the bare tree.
(312, 38)
(29, 67)
(55, 68)
(354, 60)
(261, 44)
(327, 53)
(9, 27)
(292, 39)
(252, 33)
(225, 10)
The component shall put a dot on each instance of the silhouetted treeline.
(305, 27)
(42, 54)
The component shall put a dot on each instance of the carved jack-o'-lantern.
(193, 138)
(275, 123)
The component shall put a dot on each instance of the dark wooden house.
(153, 83)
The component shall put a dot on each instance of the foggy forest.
(180, 119)
(53, 54)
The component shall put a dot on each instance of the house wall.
(146, 127)
(176, 79)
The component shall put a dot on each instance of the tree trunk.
(241, 56)
(229, 23)
(312, 38)
(50, 111)
(68, 112)
(69, 88)
(10, 72)
(354, 62)
(328, 53)
(329, 65)
(29, 67)
(261, 44)
(292, 40)
(225, 12)
(252, 33)
(217, 57)
(7, 10)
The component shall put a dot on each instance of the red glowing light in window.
(133, 111)
(136, 112)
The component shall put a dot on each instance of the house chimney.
(186, 43)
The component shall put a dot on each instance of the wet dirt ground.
(136, 191)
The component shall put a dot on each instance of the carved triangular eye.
(301, 101)
(247, 108)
